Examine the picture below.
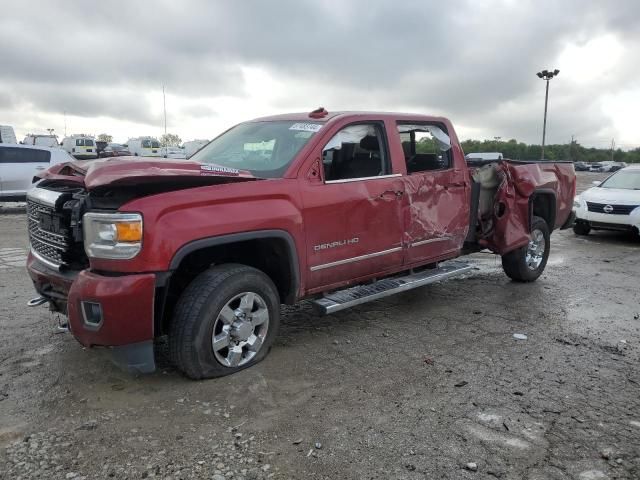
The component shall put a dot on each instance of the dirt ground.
(419, 385)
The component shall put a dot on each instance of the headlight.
(576, 202)
(112, 235)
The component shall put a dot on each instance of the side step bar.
(336, 301)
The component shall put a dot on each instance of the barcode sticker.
(306, 127)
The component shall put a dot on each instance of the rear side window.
(426, 147)
(24, 155)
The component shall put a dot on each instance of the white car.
(173, 152)
(613, 204)
(20, 163)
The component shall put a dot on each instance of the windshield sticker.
(306, 127)
(218, 170)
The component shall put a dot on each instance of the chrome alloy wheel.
(535, 250)
(240, 329)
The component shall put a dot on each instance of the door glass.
(426, 147)
(356, 151)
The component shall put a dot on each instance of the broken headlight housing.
(112, 235)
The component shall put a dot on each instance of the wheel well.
(269, 255)
(543, 205)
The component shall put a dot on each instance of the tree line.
(166, 140)
(573, 151)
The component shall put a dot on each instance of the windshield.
(150, 144)
(266, 149)
(625, 179)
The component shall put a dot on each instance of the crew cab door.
(436, 193)
(352, 208)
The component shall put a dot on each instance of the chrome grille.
(52, 246)
(49, 252)
(614, 210)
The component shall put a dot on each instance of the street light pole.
(164, 103)
(546, 75)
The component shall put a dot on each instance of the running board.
(336, 301)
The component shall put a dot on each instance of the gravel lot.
(427, 384)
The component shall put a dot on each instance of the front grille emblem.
(607, 209)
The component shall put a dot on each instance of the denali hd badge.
(338, 243)
(218, 170)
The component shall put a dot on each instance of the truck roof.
(308, 116)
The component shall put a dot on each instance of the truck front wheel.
(527, 263)
(226, 320)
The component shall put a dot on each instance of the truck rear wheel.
(226, 320)
(527, 263)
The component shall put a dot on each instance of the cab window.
(426, 147)
(356, 151)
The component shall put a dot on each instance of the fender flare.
(294, 267)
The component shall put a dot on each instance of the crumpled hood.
(131, 171)
(615, 196)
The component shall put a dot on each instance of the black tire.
(581, 228)
(198, 312)
(515, 263)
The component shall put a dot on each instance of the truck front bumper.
(106, 311)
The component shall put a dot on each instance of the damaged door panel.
(437, 193)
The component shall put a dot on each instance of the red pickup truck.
(338, 208)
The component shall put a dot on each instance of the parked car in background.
(613, 204)
(481, 157)
(114, 150)
(100, 146)
(607, 166)
(193, 146)
(617, 166)
(581, 167)
(82, 147)
(173, 152)
(20, 163)
(7, 135)
(42, 140)
(144, 147)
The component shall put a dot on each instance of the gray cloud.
(464, 59)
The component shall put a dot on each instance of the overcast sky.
(104, 64)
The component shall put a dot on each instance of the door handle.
(39, 168)
(397, 193)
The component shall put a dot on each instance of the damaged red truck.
(338, 208)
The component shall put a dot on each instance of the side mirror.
(596, 183)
